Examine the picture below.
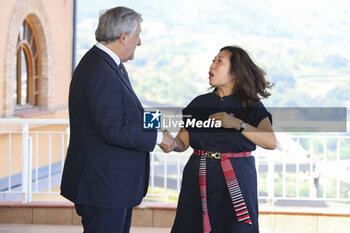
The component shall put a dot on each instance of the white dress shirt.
(117, 61)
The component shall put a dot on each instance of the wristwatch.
(243, 126)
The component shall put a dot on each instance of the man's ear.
(124, 37)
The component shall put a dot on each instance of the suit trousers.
(104, 220)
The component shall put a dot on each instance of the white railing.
(302, 167)
(306, 167)
(23, 178)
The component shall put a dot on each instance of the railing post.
(312, 193)
(26, 164)
(152, 172)
(30, 159)
(25, 197)
(270, 181)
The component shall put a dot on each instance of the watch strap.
(243, 126)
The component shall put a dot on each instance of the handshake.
(168, 143)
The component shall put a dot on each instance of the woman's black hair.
(250, 82)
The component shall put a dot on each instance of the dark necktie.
(125, 73)
(126, 78)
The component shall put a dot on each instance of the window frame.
(28, 43)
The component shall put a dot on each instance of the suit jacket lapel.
(120, 75)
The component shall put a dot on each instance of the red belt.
(231, 181)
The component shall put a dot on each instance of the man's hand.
(168, 144)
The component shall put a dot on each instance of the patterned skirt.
(221, 212)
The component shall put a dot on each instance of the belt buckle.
(215, 155)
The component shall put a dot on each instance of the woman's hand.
(262, 135)
(227, 120)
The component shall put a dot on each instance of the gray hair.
(114, 21)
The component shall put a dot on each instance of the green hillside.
(303, 46)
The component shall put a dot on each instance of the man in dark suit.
(107, 167)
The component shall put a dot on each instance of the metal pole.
(270, 182)
(30, 155)
(25, 197)
(10, 162)
(74, 34)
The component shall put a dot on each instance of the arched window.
(27, 90)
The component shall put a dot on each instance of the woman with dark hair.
(219, 185)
